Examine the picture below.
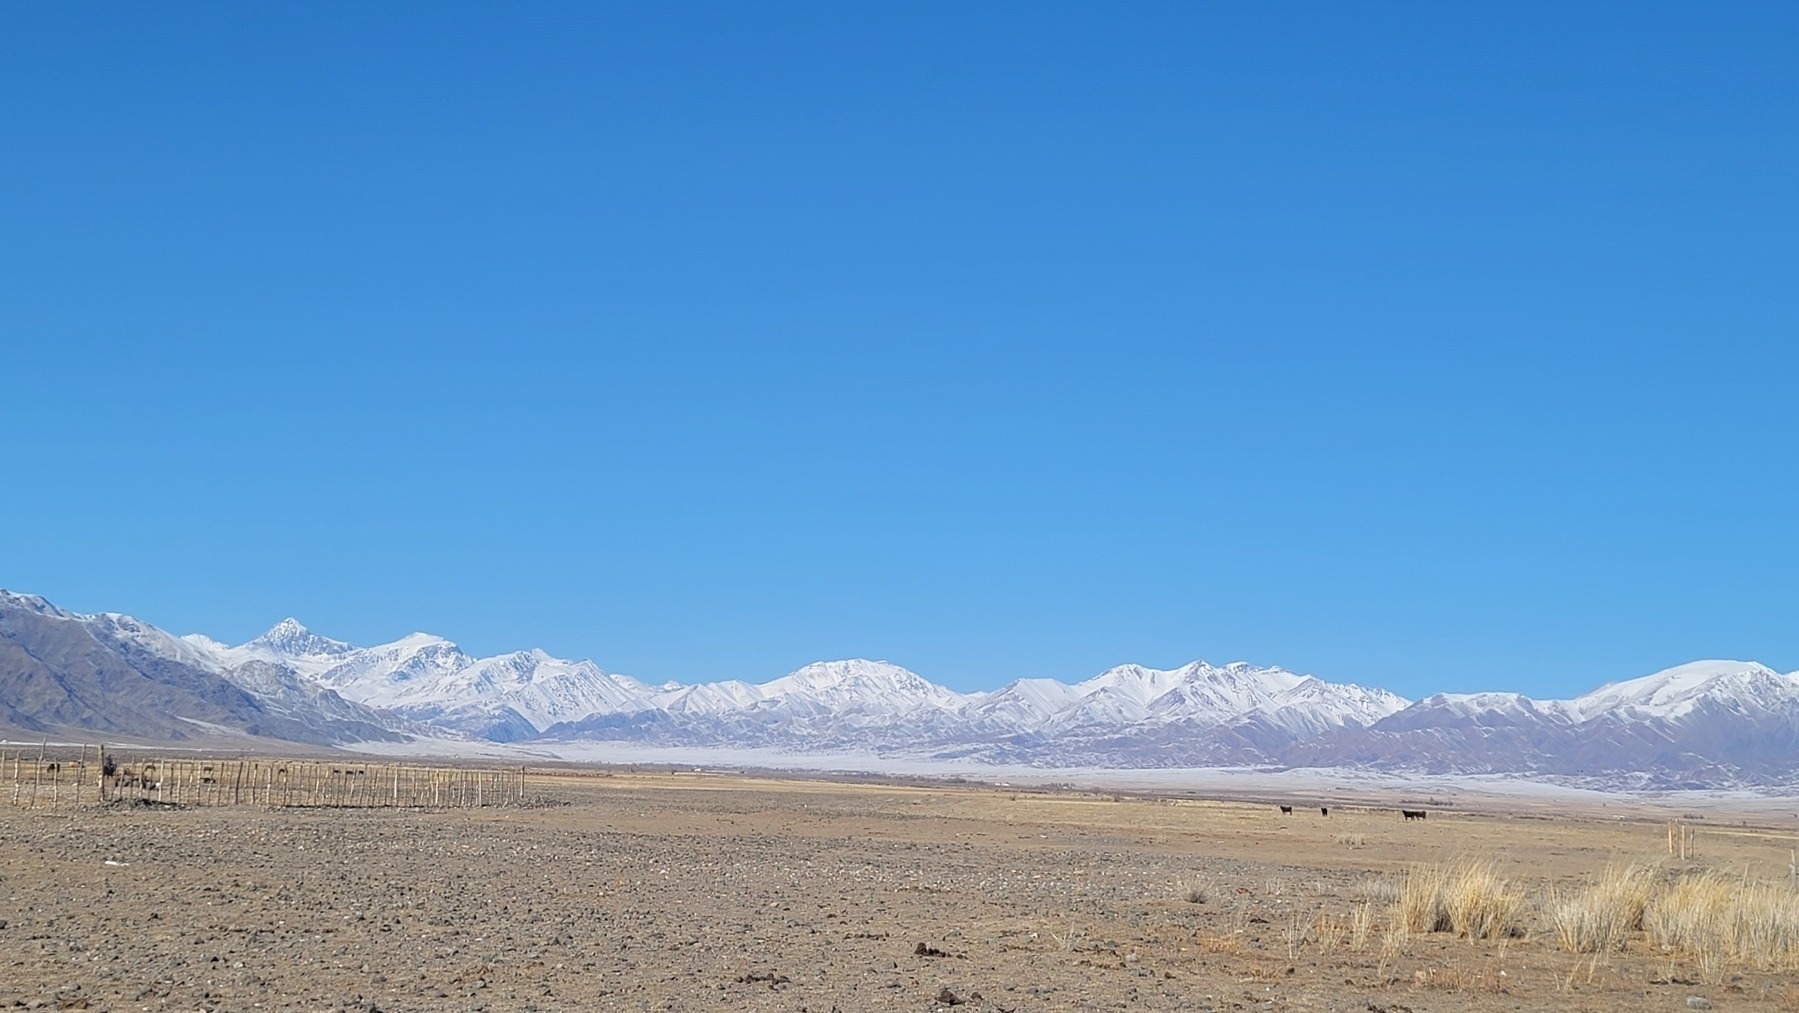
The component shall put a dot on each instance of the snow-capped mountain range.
(529, 694)
(1712, 723)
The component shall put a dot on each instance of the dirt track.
(687, 892)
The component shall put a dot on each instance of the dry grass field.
(704, 892)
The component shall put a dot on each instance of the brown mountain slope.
(59, 671)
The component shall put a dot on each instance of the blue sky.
(1415, 345)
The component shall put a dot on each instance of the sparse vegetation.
(1328, 932)
(1218, 942)
(1077, 897)
(1720, 920)
(1467, 898)
(1361, 923)
(1601, 917)
(1375, 889)
(1421, 905)
(1457, 977)
(1194, 890)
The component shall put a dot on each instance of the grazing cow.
(1412, 814)
(1286, 810)
(1324, 810)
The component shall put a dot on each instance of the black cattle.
(1324, 810)
(1412, 814)
(1286, 810)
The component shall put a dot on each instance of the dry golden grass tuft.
(1481, 904)
(1218, 942)
(1265, 973)
(1361, 923)
(1377, 889)
(1602, 917)
(1328, 932)
(1719, 920)
(1420, 906)
(1466, 898)
(1459, 978)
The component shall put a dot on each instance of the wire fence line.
(52, 777)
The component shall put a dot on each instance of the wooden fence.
(52, 778)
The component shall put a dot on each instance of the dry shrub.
(1393, 943)
(1294, 934)
(1265, 973)
(1328, 932)
(1456, 978)
(1717, 920)
(1481, 904)
(1218, 942)
(1375, 889)
(1196, 890)
(1601, 917)
(1420, 906)
(1361, 923)
(1352, 840)
(1468, 899)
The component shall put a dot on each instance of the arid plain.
(688, 891)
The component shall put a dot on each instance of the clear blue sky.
(1415, 345)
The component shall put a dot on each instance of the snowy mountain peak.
(37, 604)
(823, 674)
(1676, 691)
(878, 684)
(422, 641)
(1237, 685)
(289, 638)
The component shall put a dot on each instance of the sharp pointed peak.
(291, 637)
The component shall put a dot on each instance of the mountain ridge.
(1716, 723)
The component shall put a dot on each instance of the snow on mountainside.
(290, 644)
(1200, 712)
(1709, 723)
(857, 685)
(112, 673)
(427, 678)
(826, 705)
(1705, 724)
(1200, 693)
(1675, 692)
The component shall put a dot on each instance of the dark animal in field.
(109, 767)
(1412, 814)
(1324, 810)
(1286, 810)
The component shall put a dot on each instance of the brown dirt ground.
(697, 892)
